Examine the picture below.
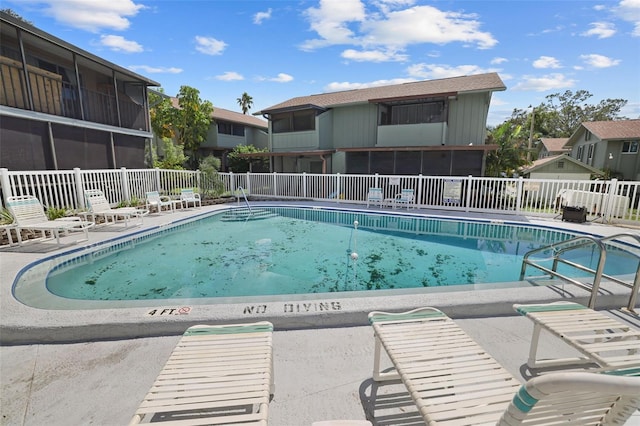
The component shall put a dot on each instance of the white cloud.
(281, 78)
(392, 27)
(435, 71)
(345, 85)
(546, 62)
(599, 61)
(373, 56)
(229, 76)
(629, 10)
(600, 30)
(120, 44)
(546, 82)
(261, 16)
(498, 60)
(93, 15)
(209, 45)
(155, 70)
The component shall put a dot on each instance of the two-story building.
(62, 107)
(434, 127)
(608, 145)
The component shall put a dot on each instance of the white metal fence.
(611, 201)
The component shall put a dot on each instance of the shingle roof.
(232, 116)
(464, 84)
(620, 129)
(538, 164)
(555, 144)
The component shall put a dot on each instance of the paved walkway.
(323, 360)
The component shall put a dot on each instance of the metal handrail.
(241, 189)
(562, 247)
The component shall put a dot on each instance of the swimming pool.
(289, 251)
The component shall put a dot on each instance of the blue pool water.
(300, 251)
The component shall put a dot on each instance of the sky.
(277, 50)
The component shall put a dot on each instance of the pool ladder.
(563, 247)
(246, 201)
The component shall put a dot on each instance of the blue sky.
(276, 50)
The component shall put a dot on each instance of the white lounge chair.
(374, 196)
(453, 381)
(28, 214)
(99, 207)
(216, 375)
(603, 340)
(189, 196)
(405, 197)
(159, 202)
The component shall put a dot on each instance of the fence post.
(5, 184)
(418, 199)
(304, 184)
(337, 192)
(198, 184)
(519, 188)
(125, 184)
(158, 180)
(275, 184)
(376, 179)
(467, 202)
(248, 183)
(232, 183)
(79, 187)
(607, 213)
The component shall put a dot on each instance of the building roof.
(555, 144)
(231, 116)
(420, 89)
(608, 130)
(28, 28)
(539, 164)
(620, 129)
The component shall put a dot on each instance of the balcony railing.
(51, 95)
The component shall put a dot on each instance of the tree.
(188, 124)
(13, 14)
(240, 164)
(512, 149)
(173, 158)
(245, 102)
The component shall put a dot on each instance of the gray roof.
(608, 130)
(447, 86)
(231, 116)
(540, 163)
(555, 144)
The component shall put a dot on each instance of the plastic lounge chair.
(602, 339)
(100, 207)
(405, 197)
(452, 380)
(374, 196)
(157, 201)
(189, 196)
(216, 375)
(28, 214)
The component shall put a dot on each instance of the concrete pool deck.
(23, 324)
(94, 366)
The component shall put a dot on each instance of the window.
(226, 128)
(580, 153)
(587, 135)
(630, 147)
(590, 154)
(560, 164)
(426, 112)
(296, 121)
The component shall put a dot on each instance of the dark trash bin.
(574, 214)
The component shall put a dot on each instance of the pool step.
(242, 214)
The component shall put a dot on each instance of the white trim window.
(630, 147)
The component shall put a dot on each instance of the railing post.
(232, 183)
(376, 180)
(275, 184)
(467, 202)
(198, 180)
(419, 191)
(519, 187)
(158, 180)
(126, 193)
(337, 192)
(247, 185)
(304, 184)
(79, 187)
(607, 213)
(5, 184)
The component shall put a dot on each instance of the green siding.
(467, 119)
(355, 126)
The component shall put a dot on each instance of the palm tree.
(245, 102)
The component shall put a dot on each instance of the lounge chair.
(405, 197)
(99, 207)
(452, 380)
(189, 196)
(216, 375)
(374, 196)
(603, 340)
(28, 214)
(159, 202)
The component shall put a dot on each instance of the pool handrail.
(578, 242)
(246, 201)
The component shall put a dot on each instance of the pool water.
(296, 251)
